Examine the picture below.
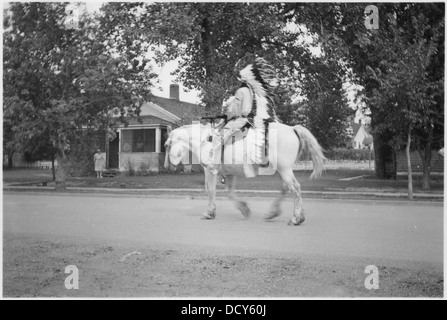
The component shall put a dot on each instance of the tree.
(337, 27)
(59, 80)
(208, 37)
(325, 108)
(405, 91)
(211, 37)
(340, 27)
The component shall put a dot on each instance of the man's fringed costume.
(251, 108)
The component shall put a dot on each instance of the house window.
(141, 140)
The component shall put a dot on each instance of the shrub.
(144, 169)
(349, 154)
(130, 170)
(80, 156)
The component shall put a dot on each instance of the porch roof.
(151, 109)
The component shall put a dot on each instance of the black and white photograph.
(240, 152)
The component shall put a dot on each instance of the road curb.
(222, 192)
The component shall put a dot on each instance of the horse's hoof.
(208, 216)
(273, 214)
(294, 221)
(244, 209)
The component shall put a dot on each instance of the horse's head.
(185, 139)
(176, 147)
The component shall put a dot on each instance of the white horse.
(285, 145)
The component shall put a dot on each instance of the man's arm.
(243, 97)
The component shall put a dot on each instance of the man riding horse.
(251, 108)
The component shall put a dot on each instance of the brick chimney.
(174, 91)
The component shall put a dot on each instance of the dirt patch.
(34, 267)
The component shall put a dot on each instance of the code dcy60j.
(245, 309)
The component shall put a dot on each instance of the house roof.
(176, 107)
(166, 110)
(151, 109)
(147, 120)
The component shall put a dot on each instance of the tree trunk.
(409, 171)
(53, 169)
(208, 52)
(426, 177)
(61, 173)
(10, 154)
(382, 157)
(207, 47)
(106, 147)
(426, 160)
(426, 166)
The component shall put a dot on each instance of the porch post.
(158, 139)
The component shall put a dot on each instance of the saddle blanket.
(245, 148)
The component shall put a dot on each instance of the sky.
(166, 79)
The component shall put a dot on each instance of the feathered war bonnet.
(260, 77)
(258, 74)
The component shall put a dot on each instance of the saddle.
(248, 132)
(250, 146)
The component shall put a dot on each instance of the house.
(361, 138)
(140, 145)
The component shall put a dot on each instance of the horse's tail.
(310, 146)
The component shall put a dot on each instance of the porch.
(137, 148)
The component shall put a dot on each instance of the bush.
(349, 154)
(79, 168)
(144, 169)
(80, 156)
(130, 170)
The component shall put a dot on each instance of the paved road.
(399, 231)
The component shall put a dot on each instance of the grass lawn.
(330, 181)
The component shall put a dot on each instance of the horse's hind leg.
(293, 185)
(298, 212)
(242, 206)
(275, 210)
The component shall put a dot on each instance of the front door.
(113, 152)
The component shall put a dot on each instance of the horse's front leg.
(210, 187)
(230, 182)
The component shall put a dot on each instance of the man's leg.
(218, 141)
